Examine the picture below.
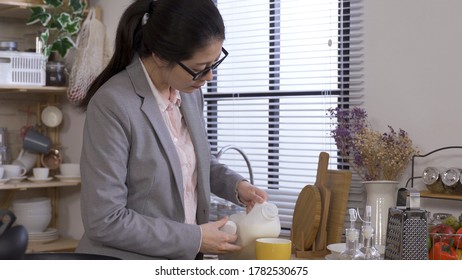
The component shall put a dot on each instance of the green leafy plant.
(61, 20)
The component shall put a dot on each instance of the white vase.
(381, 195)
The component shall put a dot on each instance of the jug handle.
(7, 219)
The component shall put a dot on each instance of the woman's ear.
(160, 61)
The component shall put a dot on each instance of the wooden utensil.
(338, 182)
(306, 218)
(321, 184)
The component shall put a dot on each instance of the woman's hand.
(215, 241)
(250, 195)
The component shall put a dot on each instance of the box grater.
(406, 234)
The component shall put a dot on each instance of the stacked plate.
(49, 234)
(33, 213)
(68, 179)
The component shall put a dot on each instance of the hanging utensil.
(52, 159)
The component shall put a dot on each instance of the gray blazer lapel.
(151, 110)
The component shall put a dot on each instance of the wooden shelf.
(22, 3)
(17, 9)
(24, 185)
(32, 89)
(428, 194)
(60, 245)
(18, 12)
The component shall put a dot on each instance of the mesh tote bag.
(90, 57)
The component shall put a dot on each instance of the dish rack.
(22, 69)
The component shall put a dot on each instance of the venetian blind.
(289, 62)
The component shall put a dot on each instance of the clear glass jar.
(10, 46)
(432, 179)
(4, 155)
(55, 74)
(451, 181)
(3, 136)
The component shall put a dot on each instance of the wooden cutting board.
(338, 182)
(306, 218)
(325, 192)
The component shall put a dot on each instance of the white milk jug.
(261, 221)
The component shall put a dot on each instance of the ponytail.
(172, 29)
(128, 42)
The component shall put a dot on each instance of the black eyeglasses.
(202, 73)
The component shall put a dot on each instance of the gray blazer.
(132, 189)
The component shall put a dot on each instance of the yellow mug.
(273, 249)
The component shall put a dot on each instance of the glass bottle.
(351, 251)
(367, 235)
(369, 251)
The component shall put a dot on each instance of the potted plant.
(61, 20)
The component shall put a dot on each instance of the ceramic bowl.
(70, 169)
(52, 116)
(33, 222)
(31, 203)
(336, 249)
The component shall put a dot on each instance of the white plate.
(33, 179)
(331, 257)
(67, 178)
(17, 179)
(3, 181)
(49, 234)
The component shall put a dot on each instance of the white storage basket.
(22, 69)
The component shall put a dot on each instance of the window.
(289, 61)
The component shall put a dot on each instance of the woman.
(147, 170)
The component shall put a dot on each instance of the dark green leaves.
(77, 6)
(63, 45)
(54, 3)
(62, 20)
(39, 15)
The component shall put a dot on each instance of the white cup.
(14, 170)
(2, 170)
(70, 169)
(41, 173)
(26, 159)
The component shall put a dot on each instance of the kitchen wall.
(412, 75)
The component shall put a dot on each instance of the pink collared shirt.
(170, 109)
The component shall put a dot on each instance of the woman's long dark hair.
(174, 30)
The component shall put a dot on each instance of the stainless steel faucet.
(237, 149)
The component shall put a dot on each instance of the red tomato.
(441, 232)
(442, 251)
(458, 239)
